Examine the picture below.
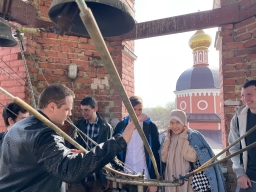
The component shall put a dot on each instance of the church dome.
(200, 77)
(200, 40)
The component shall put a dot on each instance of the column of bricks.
(238, 65)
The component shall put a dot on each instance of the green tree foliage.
(160, 115)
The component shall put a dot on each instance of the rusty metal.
(147, 182)
(114, 17)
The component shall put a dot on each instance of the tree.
(160, 115)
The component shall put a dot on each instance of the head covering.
(179, 116)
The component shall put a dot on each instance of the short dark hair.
(12, 110)
(249, 83)
(56, 93)
(135, 100)
(89, 101)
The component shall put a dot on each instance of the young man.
(136, 156)
(244, 165)
(94, 126)
(35, 158)
(12, 113)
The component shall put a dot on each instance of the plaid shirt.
(92, 131)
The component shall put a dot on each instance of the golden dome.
(200, 40)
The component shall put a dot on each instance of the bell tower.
(198, 91)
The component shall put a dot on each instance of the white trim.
(190, 97)
(190, 92)
(214, 101)
(183, 108)
(202, 101)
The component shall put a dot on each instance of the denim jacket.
(204, 153)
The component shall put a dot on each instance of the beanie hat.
(179, 116)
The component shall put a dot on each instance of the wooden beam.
(184, 23)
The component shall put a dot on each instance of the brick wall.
(12, 77)
(237, 65)
(48, 56)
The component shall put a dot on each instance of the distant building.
(198, 92)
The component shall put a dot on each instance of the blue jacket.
(151, 132)
(204, 153)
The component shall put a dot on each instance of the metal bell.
(113, 17)
(6, 38)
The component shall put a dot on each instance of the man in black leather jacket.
(35, 158)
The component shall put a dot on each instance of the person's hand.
(185, 130)
(76, 151)
(142, 118)
(109, 185)
(169, 132)
(152, 189)
(244, 182)
(127, 134)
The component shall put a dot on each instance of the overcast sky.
(161, 60)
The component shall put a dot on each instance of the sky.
(161, 60)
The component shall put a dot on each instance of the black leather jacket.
(105, 133)
(35, 158)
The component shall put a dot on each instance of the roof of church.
(206, 117)
(199, 77)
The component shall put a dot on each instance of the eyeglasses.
(86, 110)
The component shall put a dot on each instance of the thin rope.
(12, 69)
(26, 69)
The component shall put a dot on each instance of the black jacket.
(150, 130)
(105, 133)
(35, 159)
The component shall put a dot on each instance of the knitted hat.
(179, 116)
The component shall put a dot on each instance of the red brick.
(59, 72)
(87, 46)
(244, 23)
(69, 44)
(52, 35)
(244, 52)
(228, 53)
(227, 27)
(250, 43)
(5, 52)
(251, 57)
(241, 31)
(83, 40)
(72, 56)
(73, 38)
(244, 37)
(225, 33)
(251, 27)
(241, 66)
(229, 81)
(233, 46)
(233, 60)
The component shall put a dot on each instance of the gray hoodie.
(235, 132)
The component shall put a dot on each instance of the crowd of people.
(35, 158)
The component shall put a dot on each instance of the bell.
(113, 17)
(6, 38)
